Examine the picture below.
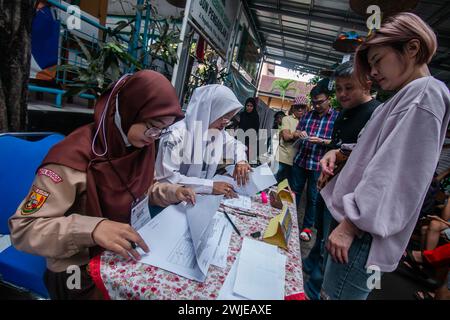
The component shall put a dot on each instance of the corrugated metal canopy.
(300, 33)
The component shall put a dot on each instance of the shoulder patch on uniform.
(51, 174)
(35, 200)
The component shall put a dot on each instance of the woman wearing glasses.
(85, 192)
(190, 153)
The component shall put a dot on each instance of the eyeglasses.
(154, 132)
(318, 103)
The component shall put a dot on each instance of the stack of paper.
(203, 228)
(258, 273)
(220, 256)
(243, 202)
(186, 239)
(260, 178)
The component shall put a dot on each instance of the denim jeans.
(348, 281)
(314, 264)
(300, 177)
(284, 171)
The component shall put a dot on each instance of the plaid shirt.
(309, 154)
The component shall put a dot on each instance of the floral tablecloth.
(122, 279)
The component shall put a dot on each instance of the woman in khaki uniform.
(82, 197)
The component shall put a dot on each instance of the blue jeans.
(314, 264)
(348, 281)
(300, 177)
(284, 171)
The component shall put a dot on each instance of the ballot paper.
(171, 246)
(226, 292)
(260, 272)
(204, 229)
(220, 256)
(243, 202)
(260, 178)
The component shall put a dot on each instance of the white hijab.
(208, 103)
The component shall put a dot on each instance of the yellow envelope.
(279, 229)
(284, 191)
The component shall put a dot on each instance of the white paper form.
(220, 256)
(243, 202)
(171, 248)
(260, 272)
(226, 292)
(209, 243)
(261, 178)
(205, 228)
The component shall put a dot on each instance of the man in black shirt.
(358, 106)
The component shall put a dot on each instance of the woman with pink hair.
(375, 200)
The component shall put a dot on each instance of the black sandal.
(411, 260)
(417, 271)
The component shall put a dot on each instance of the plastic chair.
(19, 161)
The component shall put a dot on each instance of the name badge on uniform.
(140, 213)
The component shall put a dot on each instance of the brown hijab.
(123, 173)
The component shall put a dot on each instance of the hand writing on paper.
(118, 237)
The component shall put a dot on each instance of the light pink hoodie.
(382, 187)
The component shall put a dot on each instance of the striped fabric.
(309, 154)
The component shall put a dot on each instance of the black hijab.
(249, 120)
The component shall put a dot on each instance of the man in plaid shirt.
(314, 131)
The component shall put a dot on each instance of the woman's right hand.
(328, 162)
(117, 237)
(224, 188)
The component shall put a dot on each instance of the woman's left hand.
(340, 240)
(186, 194)
(241, 173)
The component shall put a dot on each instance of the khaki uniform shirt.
(52, 221)
(286, 152)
